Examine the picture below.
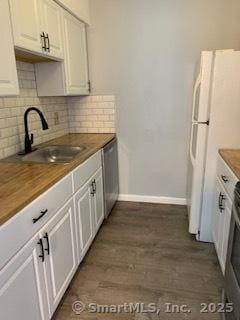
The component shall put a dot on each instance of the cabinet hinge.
(89, 86)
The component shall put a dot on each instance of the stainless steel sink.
(54, 154)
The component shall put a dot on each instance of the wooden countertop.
(21, 183)
(232, 158)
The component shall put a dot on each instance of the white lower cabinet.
(90, 212)
(217, 219)
(221, 223)
(85, 216)
(59, 242)
(23, 291)
(34, 278)
(98, 199)
(226, 229)
(224, 190)
(42, 271)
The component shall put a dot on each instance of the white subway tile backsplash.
(89, 114)
(92, 114)
(12, 110)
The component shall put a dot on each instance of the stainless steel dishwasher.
(110, 175)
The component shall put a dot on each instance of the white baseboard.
(150, 199)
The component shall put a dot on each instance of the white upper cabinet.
(8, 71)
(51, 26)
(26, 24)
(70, 77)
(76, 60)
(37, 27)
(79, 8)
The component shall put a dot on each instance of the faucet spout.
(29, 140)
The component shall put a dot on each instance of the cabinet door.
(51, 25)
(79, 8)
(85, 218)
(8, 70)
(26, 24)
(225, 233)
(22, 294)
(218, 220)
(76, 61)
(221, 223)
(60, 250)
(98, 200)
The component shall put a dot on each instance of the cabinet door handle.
(42, 256)
(221, 198)
(94, 186)
(92, 189)
(48, 43)
(41, 215)
(224, 178)
(43, 41)
(89, 86)
(48, 245)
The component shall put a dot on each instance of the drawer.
(19, 229)
(83, 173)
(226, 176)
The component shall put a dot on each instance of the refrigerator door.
(201, 92)
(199, 131)
(224, 129)
(197, 152)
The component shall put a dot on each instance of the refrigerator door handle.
(196, 86)
(191, 144)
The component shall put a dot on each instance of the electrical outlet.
(56, 118)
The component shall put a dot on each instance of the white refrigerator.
(215, 124)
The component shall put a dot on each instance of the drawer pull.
(41, 215)
(40, 242)
(48, 245)
(224, 179)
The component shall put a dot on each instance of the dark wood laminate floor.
(144, 254)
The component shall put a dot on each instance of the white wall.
(145, 52)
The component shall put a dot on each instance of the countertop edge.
(232, 159)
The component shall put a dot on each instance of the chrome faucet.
(29, 140)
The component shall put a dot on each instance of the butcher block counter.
(21, 183)
(232, 159)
